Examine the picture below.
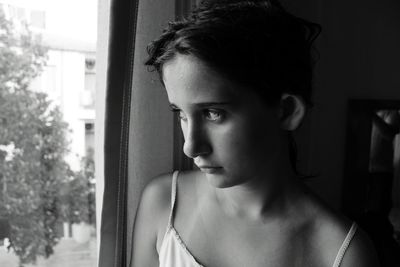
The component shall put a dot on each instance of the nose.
(196, 141)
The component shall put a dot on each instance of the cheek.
(249, 144)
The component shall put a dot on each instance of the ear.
(291, 111)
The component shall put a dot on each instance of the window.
(47, 117)
(88, 94)
(89, 136)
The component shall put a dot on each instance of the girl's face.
(231, 135)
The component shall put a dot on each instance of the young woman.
(239, 75)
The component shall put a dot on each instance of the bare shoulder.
(155, 200)
(151, 219)
(155, 203)
(360, 252)
(156, 195)
(330, 230)
(189, 179)
(157, 192)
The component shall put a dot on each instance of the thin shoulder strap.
(173, 197)
(345, 245)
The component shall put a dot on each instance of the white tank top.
(174, 253)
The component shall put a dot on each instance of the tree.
(78, 194)
(33, 146)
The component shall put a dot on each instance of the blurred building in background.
(68, 30)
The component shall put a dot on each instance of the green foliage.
(78, 194)
(32, 177)
(21, 55)
(32, 148)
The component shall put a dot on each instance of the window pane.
(47, 123)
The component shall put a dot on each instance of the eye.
(213, 114)
(181, 115)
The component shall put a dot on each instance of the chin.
(220, 181)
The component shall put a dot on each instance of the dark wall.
(359, 51)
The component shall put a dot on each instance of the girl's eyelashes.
(213, 115)
(180, 113)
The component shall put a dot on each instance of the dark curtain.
(123, 16)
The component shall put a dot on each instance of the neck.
(260, 198)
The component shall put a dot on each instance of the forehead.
(188, 78)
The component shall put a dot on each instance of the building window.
(89, 136)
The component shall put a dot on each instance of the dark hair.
(255, 43)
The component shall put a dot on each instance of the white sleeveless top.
(174, 253)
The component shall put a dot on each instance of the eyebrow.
(204, 104)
